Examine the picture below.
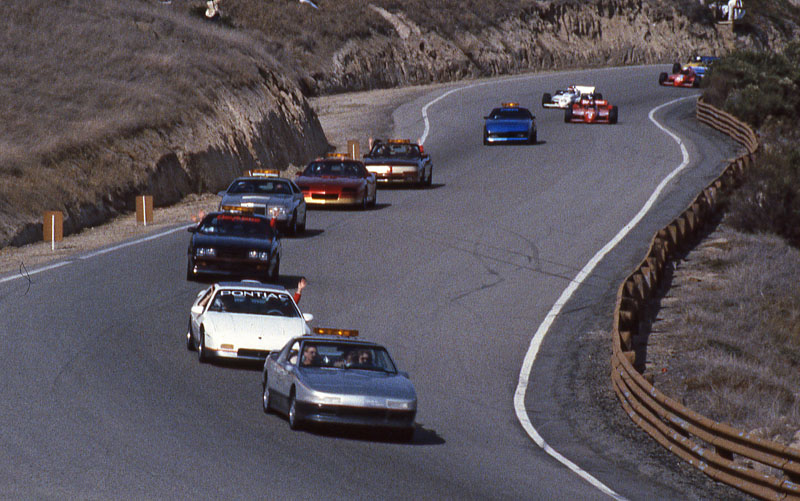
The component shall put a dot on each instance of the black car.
(232, 244)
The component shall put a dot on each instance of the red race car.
(591, 111)
(683, 77)
(337, 180)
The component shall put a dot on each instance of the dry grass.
(726, 341)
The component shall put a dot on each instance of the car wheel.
(364, 202)
(276, 269)
(293, 224)
(429, 181)
(546, 98)
(696, 82)
(532, 139)
(301, 227)
(202, 353)
(294, 422)
(189, 341)
(265, 399)
(662, 78)
(676, 67)
(189, 266)
(374, 201)
(568, 114)
(485, 138)
(613, 115)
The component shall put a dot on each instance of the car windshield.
(512, 113)
(345, 356)
(260, 187)
(336, 169)
(252, 302)
(234, 225)
(395, 150)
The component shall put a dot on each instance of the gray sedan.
(275, 197)
(328, 379)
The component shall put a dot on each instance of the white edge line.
(544, 327)
(94, 254)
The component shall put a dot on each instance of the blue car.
(509, 124)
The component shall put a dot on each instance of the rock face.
(545, 36)
(265, 125)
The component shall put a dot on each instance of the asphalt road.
(101, 399)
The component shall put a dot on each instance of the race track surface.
(102, 400)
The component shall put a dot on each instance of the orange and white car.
(338, 180)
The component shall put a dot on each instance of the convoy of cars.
(327, 376)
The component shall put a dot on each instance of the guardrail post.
(53, 227)
(353, 149)
(144, 209)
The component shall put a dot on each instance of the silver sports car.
(330, 379)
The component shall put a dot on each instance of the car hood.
(238, 199)
(254, 330)
(232, 242)
(508, 125)
(358, 382)
(328, 181)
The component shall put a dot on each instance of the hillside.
(106, 100)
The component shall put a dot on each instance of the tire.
(546, 98)
(276, 270)
(532, 139)
(676, 68)
(598, 96)
(613, 115)
(266, 404)
(292, 229)
(568, 114)
(485, 138)
(696, 82)
(189, 340)
(429, 181)
(662, 78)
(301, 228)
(291, 414)
(202, 354)
(374, 201)
(189, 274)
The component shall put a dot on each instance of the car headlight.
(276, 211)
(400, 404)
(257, 254)
(205, 252)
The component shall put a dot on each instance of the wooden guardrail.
(708, 445)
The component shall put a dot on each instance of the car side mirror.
(221, 194)
(404, 374)
(197, 310)
(486, 118)
(308, 317)
(192, 229)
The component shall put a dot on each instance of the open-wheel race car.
(591, 111)
(685, 76)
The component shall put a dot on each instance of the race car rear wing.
(585, 89)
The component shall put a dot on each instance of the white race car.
(244, 320)
(564, 98)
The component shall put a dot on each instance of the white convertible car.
(564, 98)
(243, 320)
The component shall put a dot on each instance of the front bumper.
(326, 198)
(230, 267)
(356, 416)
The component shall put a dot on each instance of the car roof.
(226, 213)
(251, 285)
(260, 178)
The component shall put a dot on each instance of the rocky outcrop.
(268, 124)
(544, 36)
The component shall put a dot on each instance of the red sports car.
(591, 111)
(685, 77)
(337, 180)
